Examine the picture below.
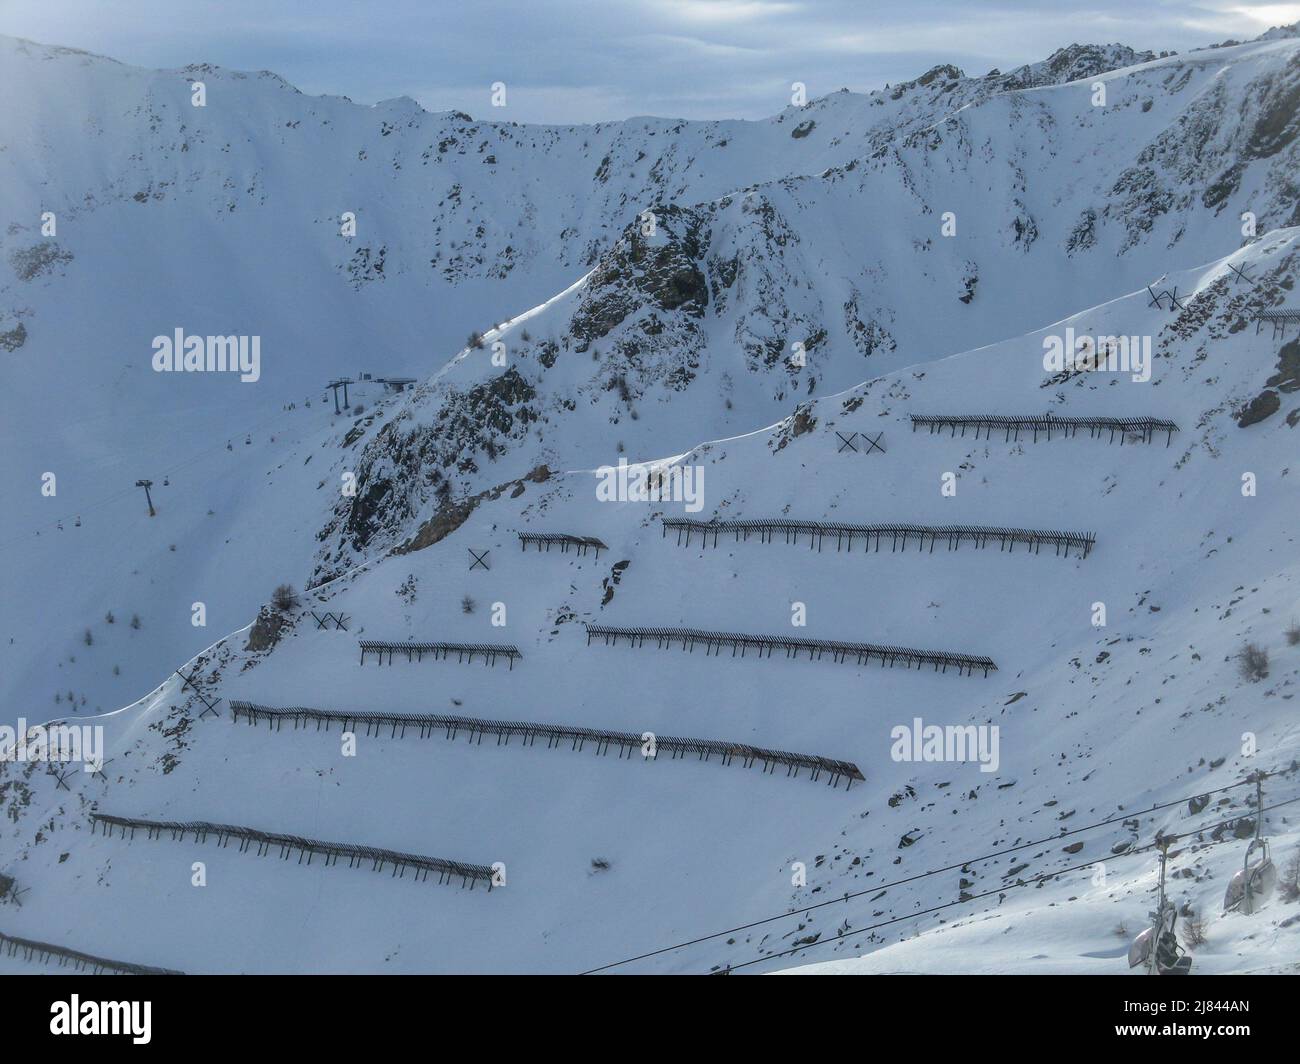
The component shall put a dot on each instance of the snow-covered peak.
(520, 312)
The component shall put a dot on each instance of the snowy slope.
(1058, 204)
(1149, 709)
(819, 226)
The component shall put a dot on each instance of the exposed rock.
(1265, 404)
(611, 582)
(13, 339)
(1074, 62)
(366, 266)
(267, 629)
(660, 268)
(1287, 377)
(451, 515)
(968, 286)
(1278, 121)
(30, 263)
(797, 424)
(403, 466)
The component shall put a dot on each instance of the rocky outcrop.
(410, 462)
(1073, 63)
(654, 264)
(1285, 380)
(1287, 377)
(267, 629)
(1264, 405)
(452, 514)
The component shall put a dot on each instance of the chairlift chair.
(1252, 884)
(1250, 887)
(1157, 947)
(1161, 940)
(1140, 948)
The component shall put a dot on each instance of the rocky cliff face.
(948, 231)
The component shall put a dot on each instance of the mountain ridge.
(660, 330)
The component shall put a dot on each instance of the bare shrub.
(1193, 930)
(1252, 661)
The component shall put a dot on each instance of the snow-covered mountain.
(631, 290)
(822, 231)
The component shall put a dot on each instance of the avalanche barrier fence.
(1065, 427)
(898, 536)
(439, 651)
(561, 539)
(1279, 318)
(627, 743)
(862, 653)
(44, 951)
(262, 842)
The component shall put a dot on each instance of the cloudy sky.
(594, 60)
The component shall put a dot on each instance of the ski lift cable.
(1022, 884)
(934, 872)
